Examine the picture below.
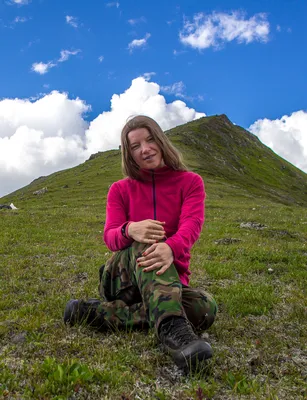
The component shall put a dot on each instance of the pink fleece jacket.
(176, 197)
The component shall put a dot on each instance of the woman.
(153, 218)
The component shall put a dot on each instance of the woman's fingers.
(154, 221)
(152, 267)
(150, 259)
(162, 270)
(156, 236)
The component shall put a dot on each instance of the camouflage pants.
(132, 298)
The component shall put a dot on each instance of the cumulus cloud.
(50, 134)
(42, 68)
(39, 137)
(142, 97)
(73, 21)
(215, 29)
(136, 43)
(100, 59)
(286, 136)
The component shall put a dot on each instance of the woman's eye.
(134, 147)
(151, 139)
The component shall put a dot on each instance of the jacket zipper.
(154, 194)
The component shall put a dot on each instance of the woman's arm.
(191, 220)
(119, 233)
(116, 221)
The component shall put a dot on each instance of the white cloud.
(148, 75)
(50, 134)
(178, 52)
(30, 44)
(138, 42)
(215, 29)
(286, 136)
(141, 98)
(42, 68)
(137, 21)
(39, 137)
(73, 21)
(176, 89)
(65, 54)
(20, 2)
(113, 4)
(20, 19)
(101, 58)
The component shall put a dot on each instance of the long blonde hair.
(171, 156)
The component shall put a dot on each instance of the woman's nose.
(145, 147)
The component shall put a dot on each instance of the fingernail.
(144, 254)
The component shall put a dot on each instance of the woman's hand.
(158, 256)
(147, 231)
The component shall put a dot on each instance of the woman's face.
(144, 150)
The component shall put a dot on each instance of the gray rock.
(41, 191)
(252, 225)
(227, 241)
(19, 338)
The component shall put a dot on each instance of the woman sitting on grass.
(153, 218)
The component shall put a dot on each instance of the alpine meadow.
(251, 255)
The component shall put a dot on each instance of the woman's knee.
(200, 307)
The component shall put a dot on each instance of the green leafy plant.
(240, 384)
(64, 378)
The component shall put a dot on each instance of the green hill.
(216, 148)
(252, 256)
(213, 147)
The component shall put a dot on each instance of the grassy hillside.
(216, 147)
(51, 249)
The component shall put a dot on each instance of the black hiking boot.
(80, 311)
(180, 341)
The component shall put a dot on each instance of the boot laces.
(179, 329)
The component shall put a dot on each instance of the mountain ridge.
(213, 147)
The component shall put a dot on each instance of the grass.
(51, 250)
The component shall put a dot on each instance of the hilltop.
(213, 147)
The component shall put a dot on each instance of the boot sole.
(192, 354)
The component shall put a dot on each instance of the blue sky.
(243, 59)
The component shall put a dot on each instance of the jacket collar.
(147, 174)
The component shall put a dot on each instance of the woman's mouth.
(148, 158)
